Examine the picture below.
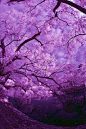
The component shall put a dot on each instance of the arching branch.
(83, 10)
(74, 5)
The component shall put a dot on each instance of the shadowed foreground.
(11, 118)
(67, 110)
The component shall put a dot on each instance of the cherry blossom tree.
(39, 46)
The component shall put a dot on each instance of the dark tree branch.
(47, 78)
(3, 47)
(27, 40)
(53, 91)
(15, 58)
(8, 87)
(8, 75)
(39, 41)
(36, 5)
(73, 38)
(83, 10)
(23, 73)
(1, 69)
(15, 1)
(74, 5)
(58, 4)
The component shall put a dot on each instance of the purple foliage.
(43, 49)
